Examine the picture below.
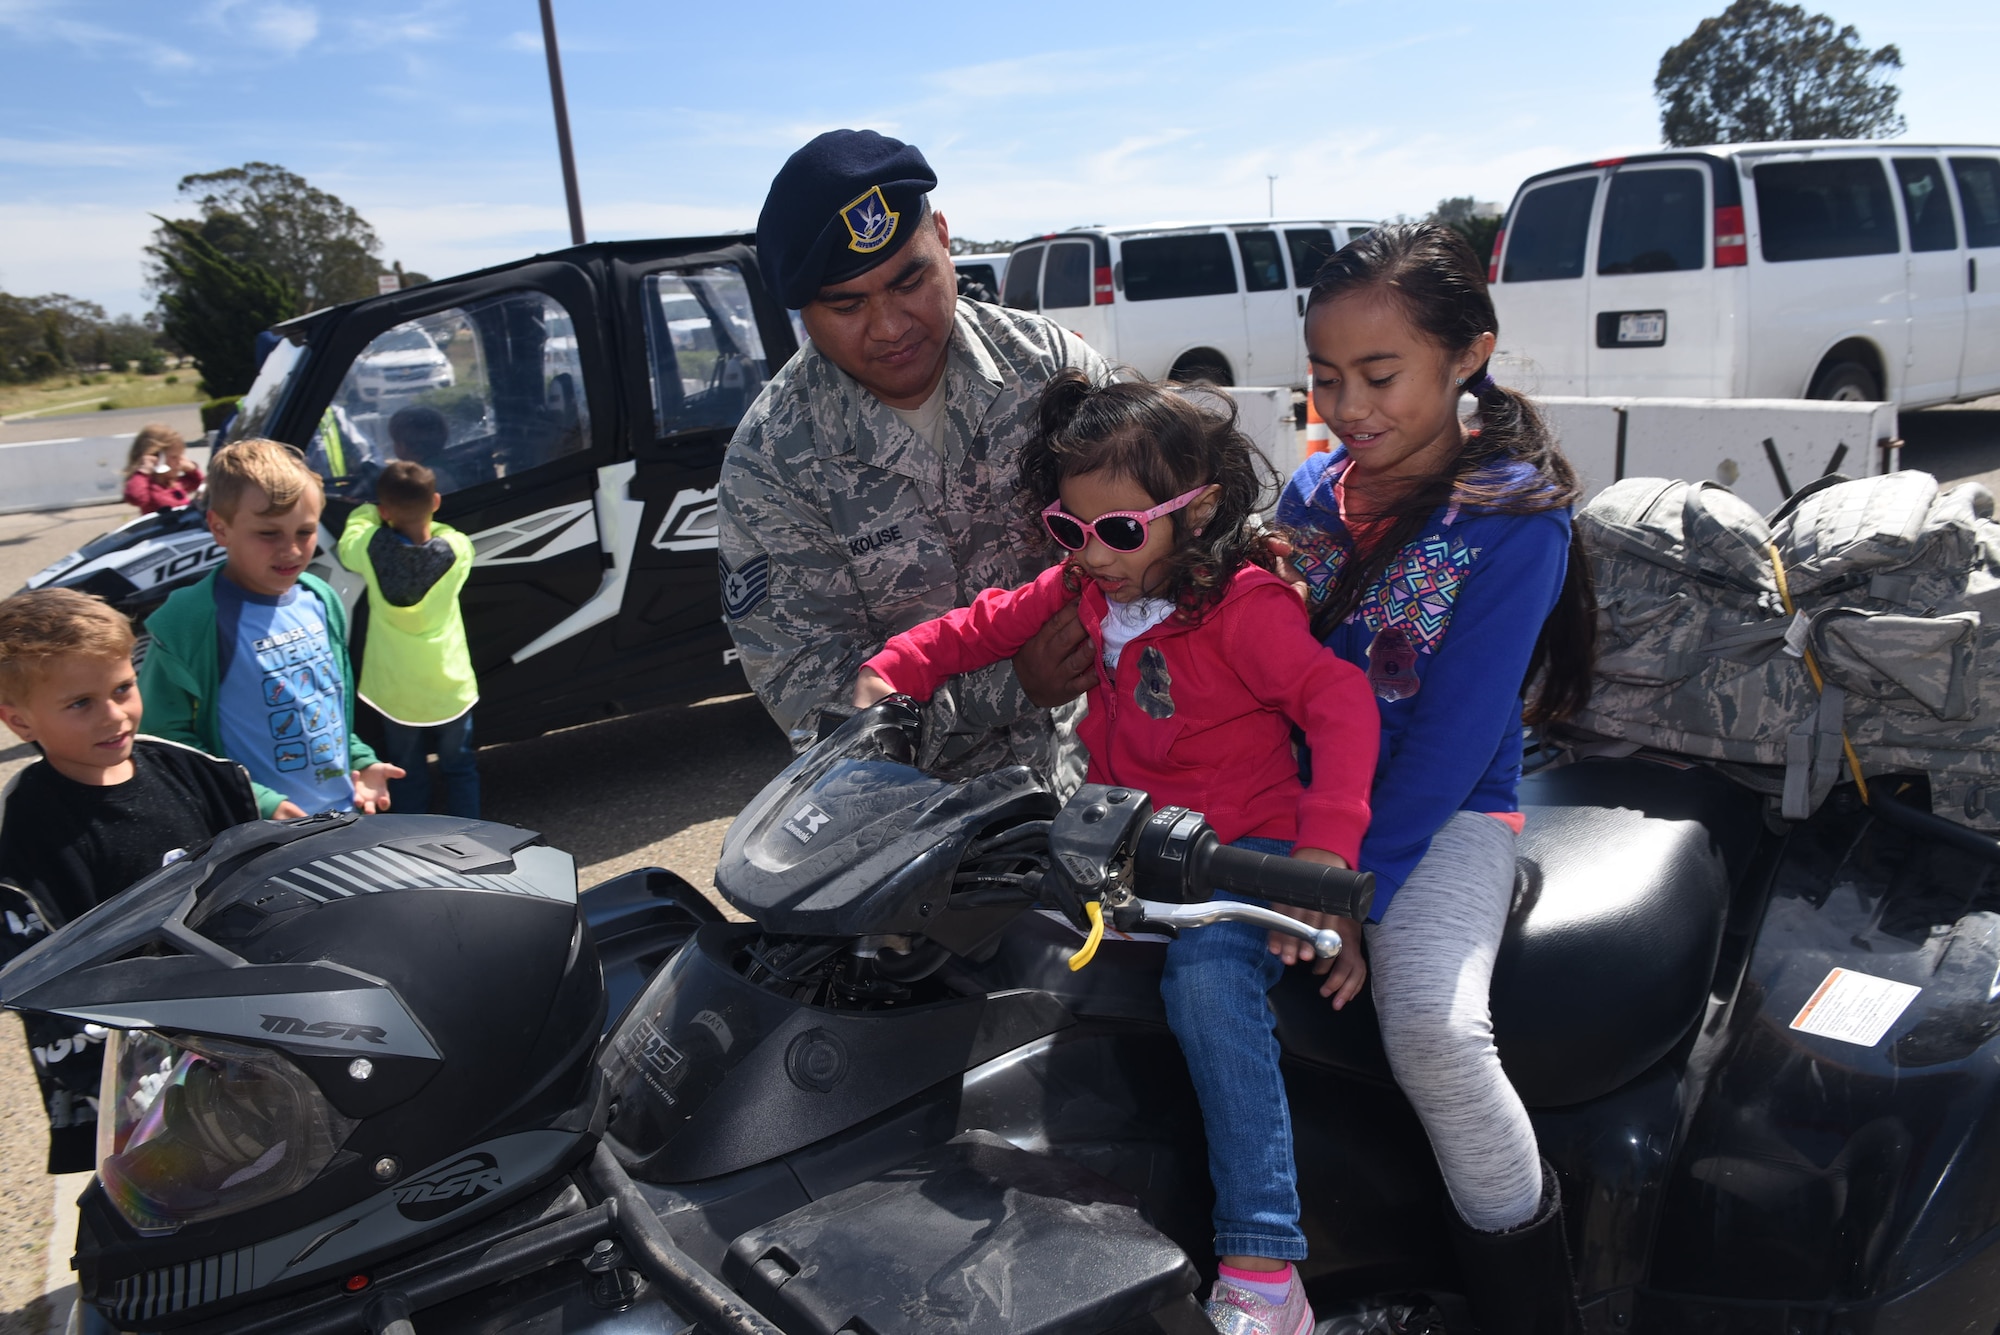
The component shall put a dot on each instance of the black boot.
(1519, 1282)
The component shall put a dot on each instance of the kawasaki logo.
(292, 1026)
(455, 1185)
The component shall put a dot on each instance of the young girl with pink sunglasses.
(1205, 663)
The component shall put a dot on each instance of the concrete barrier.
(1762, 449)
(51, 474)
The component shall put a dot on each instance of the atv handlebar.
(1306, 885)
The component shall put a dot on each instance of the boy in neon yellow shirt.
(417, 672)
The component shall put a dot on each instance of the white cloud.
(38, 21)
(74, 153)
(90, 251)
(287, 28)
(526, 41)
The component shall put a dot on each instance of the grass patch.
(83, 393)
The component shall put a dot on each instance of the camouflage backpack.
(1714, 623)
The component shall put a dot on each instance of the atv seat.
(1625, 872)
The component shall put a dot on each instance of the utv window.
(1311, 247)
(707, 356)
(475, 393)
(1824, 210)
(1158, 268)
(1024, 279)
(1654, 222)
(1979, 194)
(1546, 236)
(1067, 282)
(1263, 269)
(267, 391)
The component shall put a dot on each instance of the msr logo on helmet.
(870, 222)
(457, 1184)
(293, 1026)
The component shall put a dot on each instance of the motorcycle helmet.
(330, 1040)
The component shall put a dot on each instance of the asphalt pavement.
(182, 417)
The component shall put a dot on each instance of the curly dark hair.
(1169, 440)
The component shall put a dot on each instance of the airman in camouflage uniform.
(841, 524)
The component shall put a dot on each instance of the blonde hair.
(276, 469)
(43, 625)
(153, 438)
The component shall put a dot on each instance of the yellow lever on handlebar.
(1095, 912)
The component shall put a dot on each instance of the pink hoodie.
(1198, 715)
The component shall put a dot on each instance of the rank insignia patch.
(870, 222)
(744, 588)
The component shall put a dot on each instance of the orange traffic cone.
(1319, 436)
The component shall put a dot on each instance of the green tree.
(214, 305)
(1762, 71)
(1477, 223)
(311, 241)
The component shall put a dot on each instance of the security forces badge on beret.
(871, 223)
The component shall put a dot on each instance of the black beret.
(841, 205)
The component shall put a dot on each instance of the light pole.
(1270, 179)
(562, 125)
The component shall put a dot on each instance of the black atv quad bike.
(929, 1087)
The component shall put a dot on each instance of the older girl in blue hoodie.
(1439, 560)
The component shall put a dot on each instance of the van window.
(1311, 247)
(1979, 192)
(981, 274)
(1927, 203)
(1825, 210)
(708, 358)
(1548, 232)
(1067, 282)
(1356, 233)
(1654, 222)
(1263, 268)
(1158, 268)
(1024, 279)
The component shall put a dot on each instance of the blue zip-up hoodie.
(1454, 620)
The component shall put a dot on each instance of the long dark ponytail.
(1441, 286)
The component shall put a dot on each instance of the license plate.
(1642, 327)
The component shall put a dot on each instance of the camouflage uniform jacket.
(840, 527)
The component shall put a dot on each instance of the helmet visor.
(196, 1128)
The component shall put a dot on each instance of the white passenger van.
(1223, 302)
(1828, 270)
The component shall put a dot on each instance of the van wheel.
(1846, 382)
(1201, 364)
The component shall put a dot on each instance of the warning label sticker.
(1854, 1007)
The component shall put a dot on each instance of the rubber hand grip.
(1305, 885)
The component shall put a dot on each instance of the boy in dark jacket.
(99, 811)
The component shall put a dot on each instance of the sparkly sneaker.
(1234, 1310)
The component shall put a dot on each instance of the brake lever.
(1326, 942)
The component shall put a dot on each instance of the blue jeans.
(1215, 988)
(409, 749)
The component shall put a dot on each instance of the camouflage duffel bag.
(1714, 623)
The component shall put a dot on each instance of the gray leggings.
(1432, 960)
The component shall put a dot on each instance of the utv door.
(698, 338)
(501, 384)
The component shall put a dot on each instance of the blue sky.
(432, 116)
